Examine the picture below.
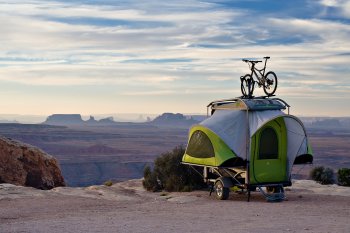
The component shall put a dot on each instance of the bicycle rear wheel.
(247, 85)
(270, 84)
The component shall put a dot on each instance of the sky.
(155, 56)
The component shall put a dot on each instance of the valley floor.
(126, 207)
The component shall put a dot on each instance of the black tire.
(247, 85)
(270, 189)
(243, 86)
(270, 84)
(274, 189)
(222, 193)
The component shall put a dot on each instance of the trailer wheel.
(270, 189)
(274, 189)
(221, 192)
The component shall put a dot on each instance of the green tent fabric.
(206, 148)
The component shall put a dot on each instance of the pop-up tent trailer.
(249, 144)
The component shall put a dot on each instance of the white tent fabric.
(232, 128)
(297, 140)
(258, 118)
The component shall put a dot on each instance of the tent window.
(268, 144)
(200, 146)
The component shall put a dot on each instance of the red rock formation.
(23, 164)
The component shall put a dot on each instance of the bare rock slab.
(25, 165)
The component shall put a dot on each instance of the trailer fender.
(226, 181)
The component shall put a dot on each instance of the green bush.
(150, 181)
(322, 175)
(108, 183)
(344, 176)
(170, 175)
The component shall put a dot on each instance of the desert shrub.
(150, 181)
(108, 183)
(344, 176)
(316, 172)
(170, 175)
(322, 175)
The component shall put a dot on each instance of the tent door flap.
(269, 153)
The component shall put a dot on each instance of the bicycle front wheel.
(247, 85)
(270, 84)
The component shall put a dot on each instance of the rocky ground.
(126, 207)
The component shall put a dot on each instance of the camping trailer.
(247, 144)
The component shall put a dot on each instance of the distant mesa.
(173, 120)
(164, 120)
(64, 119)
(76, 119)
(165, 117)
(2, 121)
(104, 121)
(327, 123)
(91, 120)
(108, 120)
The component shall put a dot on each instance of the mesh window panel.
(200, 146)
(268, 144)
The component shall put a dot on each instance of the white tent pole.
(247, 155)
(247, 137)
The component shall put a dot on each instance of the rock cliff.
(22, 164)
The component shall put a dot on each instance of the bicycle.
(268, 81)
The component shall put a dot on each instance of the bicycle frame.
(255, 71)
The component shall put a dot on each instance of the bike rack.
(242, 103)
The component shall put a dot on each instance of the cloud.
(149, 93)
(219, 78)
(330, 3)
(80, 75)
(162, 48)
(341, 7)
(314, 30)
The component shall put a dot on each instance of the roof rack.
(249, 104)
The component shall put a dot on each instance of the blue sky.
(97, 57)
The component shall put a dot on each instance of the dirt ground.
(126, 207)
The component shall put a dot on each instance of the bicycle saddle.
(246, 60)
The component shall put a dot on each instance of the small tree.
(344, 176)
(322, 175)
(169, 174)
